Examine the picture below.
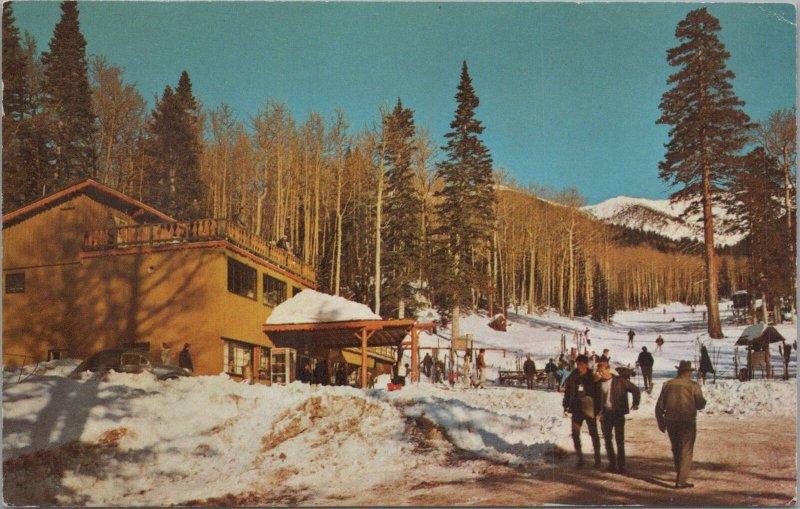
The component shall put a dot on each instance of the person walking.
(481, 365)
(185, 358)
(645, 361)
(166, 354)
(551, 371)
(613, 393)
(676, 413)
(529, 368)
(659, 343)
(581, 401)
(631, 334)
(705, 364)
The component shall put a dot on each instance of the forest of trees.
(385, 215)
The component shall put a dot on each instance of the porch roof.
(346, 334)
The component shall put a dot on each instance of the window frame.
(239, 275)
(282, 289)
(17, 286)
(236, 347)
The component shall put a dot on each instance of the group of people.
(321, 374)
(601, 395)
(435, 369)
(184, 357)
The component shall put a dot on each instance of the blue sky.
(569, 92)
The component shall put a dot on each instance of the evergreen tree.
(709, 130)
(172, 181)
(17, 187)
(466, 210)
(600, 301)
(68, 97)
(402, 210)
(756, 193)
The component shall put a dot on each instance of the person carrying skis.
(581, 402)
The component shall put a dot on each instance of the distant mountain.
(658, 216)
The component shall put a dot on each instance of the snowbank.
(310, 306)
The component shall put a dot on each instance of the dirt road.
(736, 463)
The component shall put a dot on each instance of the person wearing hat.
(676, 413)
(613, 393)
(581, 400)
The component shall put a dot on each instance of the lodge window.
(15, 283)
(263, 364)
(57, 354)
(236, 356)
(241, 279)
(274, 291)
(296, 290)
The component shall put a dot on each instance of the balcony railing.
(202, 230)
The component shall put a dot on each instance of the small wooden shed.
(757, 339)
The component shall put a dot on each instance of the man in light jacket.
(676, 413)
(613, 393)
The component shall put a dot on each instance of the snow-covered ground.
(132, 440)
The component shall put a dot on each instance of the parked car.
(127, 360)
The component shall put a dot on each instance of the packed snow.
(310, 306)
(132, 440)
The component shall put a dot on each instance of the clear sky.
(569, 92)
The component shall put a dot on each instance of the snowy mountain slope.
(659, 216)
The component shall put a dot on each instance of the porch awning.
(339, 334)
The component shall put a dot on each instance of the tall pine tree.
(756, 203)
(172, 181)
(68, 97)
(18, 186)
(708, 132)
(466, 210)
(402, 211)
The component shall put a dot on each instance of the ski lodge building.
(89, 268)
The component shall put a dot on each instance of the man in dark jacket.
(645, 362)
(580, 400)
(613, 393)
(552, 372)
(676, 413)
(185, 358)
(529, 368)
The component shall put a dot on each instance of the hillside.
(658, 216)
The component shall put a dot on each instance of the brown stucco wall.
(88, 302)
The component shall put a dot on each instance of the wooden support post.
(414, 355)
(364, 378)
(766, 356)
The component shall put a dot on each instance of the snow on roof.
(760, 331)
(310, 306)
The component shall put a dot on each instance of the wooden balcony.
(202, 230)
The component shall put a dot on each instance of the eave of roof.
(97, 191)
(341, 334)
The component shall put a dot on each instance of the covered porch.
(360, 334)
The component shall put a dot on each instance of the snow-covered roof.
(310, 306)
(759, 331)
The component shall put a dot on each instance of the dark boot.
(576, 440)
